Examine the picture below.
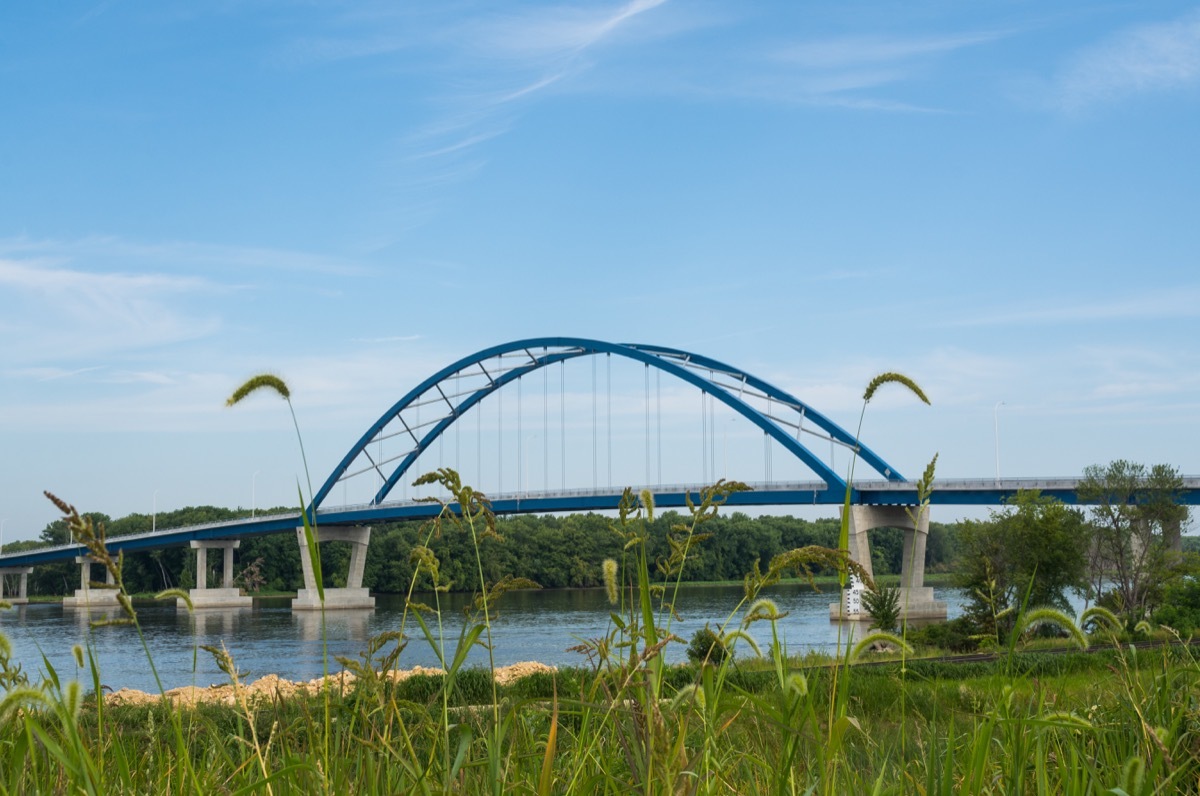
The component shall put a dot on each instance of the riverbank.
(824, 583)
(272, 687)
(1023, 722)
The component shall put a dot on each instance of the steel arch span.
(454, 390)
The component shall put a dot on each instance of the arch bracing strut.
(418, 419)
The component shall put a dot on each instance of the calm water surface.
(271, 639)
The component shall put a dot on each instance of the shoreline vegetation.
(736, 718)
(554, 551)
(739, 718)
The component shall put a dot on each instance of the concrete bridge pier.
(22, 597)
(88, 596)
(353, 595)
(224, 597)
(916, 599)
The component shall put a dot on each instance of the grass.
(1067, 723)
(760, 721)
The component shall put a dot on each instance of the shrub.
(955, 635)
(706, 645)
(884, 607)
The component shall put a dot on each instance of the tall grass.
(752, 721)
(624, 720)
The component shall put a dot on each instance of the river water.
(271, 639)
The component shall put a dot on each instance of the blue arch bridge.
(387, 451)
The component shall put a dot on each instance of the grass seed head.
(891, 377)
(263, 381)
(610, 580)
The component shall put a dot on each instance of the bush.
(706, 645)
(883, 606)
(955, 635)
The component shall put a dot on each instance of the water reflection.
(270, 638)
(216, 622)
(85, 619)
(346, 625)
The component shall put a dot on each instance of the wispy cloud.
(407, 338)
(847, 52)
(50, 373)
(172, 255)
(107, 293)
(65, 313)
(1183, 302)
(486, 69)
(1144, 59)
(830, 70)
(555, 32)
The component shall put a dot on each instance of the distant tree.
(57, 533)
(1137, 519)
(1180, 608)
(1034, 543)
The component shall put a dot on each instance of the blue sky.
(998, 199)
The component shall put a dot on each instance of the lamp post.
(253, 487)
(996, 422)
(154, 514)
(2, 522)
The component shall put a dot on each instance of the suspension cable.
(712, 435)
(500, 441)
(545, 427)
(594, 414)
(647, 407)
(658, 423)
(562, 419)
(520, 441)
(608, 384)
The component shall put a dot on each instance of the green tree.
(1034, 543)
(1137, 518)
(1180, 607)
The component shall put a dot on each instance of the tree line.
(1123, 550)
(555, 551)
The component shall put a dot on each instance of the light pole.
(154, 514)
(996, 422)
(253, 486)
(2, 534)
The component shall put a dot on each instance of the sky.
(998, 199)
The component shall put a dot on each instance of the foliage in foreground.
(750, 723)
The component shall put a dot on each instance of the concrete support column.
(353, 595)
(861, 518)
(1172, 535)
(226, 596)
(201, 566)
(22, 590)
(912, 568)
(916, 599)
(87, 597)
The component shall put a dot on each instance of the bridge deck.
(949, 492)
